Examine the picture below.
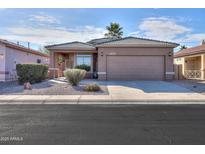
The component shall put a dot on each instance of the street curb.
(145, 100)
(154, 101)
(116, 101)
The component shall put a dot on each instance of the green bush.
(32, 73)
(92, 87)
(74, 76)
(83, 67)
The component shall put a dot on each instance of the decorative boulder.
(27, 86)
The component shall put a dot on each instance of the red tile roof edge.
(190, 51)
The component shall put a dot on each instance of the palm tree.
(114, 30)
(183, 47)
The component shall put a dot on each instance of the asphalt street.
(102, 124)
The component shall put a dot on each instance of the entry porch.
(62, 60)
(194, 67)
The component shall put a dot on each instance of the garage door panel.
(135, 67)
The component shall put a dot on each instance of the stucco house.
(192, 62)
(12, 54)
(128, 58)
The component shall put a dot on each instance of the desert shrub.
(92, 87)
(83, 67)
(32, 73)
(74, 76)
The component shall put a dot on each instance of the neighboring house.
(12, 54)
(192, 62)
(129, 58)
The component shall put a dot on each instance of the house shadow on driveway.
(145, 86)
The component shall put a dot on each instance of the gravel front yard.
(49, 87)
(194, 85)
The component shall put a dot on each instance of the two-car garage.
(135, 67)
(134, 58)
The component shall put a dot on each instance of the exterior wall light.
(1, 55)
(170, 54)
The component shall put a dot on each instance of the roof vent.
(203, 42)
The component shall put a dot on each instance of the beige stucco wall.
(14, 56)
(180, 61)
(193, 63)
(203, 67)
(103, 52)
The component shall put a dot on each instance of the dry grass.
(92, 87)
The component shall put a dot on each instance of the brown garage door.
(135, 67)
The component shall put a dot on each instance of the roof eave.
(131, 37)
(190, 54)
(82, 49)
(26, 50)
(55, 45)
(143, 45)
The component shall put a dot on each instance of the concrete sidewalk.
(156, 98)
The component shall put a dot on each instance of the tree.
(114, 31)
(44, 50)
(183, 47)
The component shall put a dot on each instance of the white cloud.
(44, 18)
(192, 38)
(53, 35)
(168, 29)
(162, 28)
(45, 29)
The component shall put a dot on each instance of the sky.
(49, 26)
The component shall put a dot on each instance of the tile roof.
(22, 48)
(136, 41)
(101, 42)
(71, 45)
(190, 51)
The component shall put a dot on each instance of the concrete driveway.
(148, 90)
(141, 87)
(145, 87)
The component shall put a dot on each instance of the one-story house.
(128, 58)
(192, 62)
(12, 54)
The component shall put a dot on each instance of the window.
(178, 59)
(84, 59)
(38, 61)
